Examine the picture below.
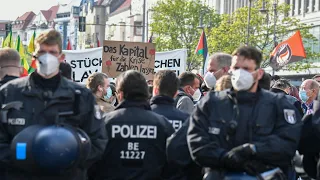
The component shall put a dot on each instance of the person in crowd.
(308, 145)
(308, 93)
(218, 65)
(265, 81)
(165, 87)
(189, 86)
(294, 92)
(137, 136)
(33, 106)
(316, 78)
(223, 83)
(65, 70)
(112, 98)
(98, 83)
(283, 86)
(247, 128)
(274, 78)
(10, 67)
(150, 89)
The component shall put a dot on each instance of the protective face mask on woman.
(109, 93)
(241, 80)
(48, 64)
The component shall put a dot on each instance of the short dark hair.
(265, 81)
(250, 53)
(187, 78)
(133, 85)
(282, 84)
(167, 82)
(65, 70)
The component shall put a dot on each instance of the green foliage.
(175, 24)
(232, 31)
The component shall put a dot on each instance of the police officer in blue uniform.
(31, 108)
(165, 87)
(137, 136)
(244, 129)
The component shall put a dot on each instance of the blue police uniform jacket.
(164, 105)
(267, 120)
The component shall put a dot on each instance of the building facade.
(19, 26)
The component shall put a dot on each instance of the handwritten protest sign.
(119, 56)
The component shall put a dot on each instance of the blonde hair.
(223, 83)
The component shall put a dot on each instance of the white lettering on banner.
(87, 61)
(176, 124)
(134, 131)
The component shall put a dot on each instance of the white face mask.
(197, 95)
(241, 80)
(48, 64)
(210, 80)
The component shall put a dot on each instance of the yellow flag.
(24, 63)
(8, 41)
(31, 47)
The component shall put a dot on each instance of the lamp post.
(275, 2)
(144, 21)
(149, 10)
(249, 19)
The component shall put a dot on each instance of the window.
(299, 7)
(138, 28)
(293, 6)
(313, 4)
(306, 6)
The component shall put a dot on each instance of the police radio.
(233, 124)
(51, 149)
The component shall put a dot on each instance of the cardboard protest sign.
(120, 56)
(175, 60)
(84, 63)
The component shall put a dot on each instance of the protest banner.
(120, 56)
(171, 60)
(83, 63)
(87, 61)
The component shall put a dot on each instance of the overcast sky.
(11, 9)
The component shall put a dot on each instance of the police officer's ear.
(62, 58)
(155, 91)
(119, 96)
(260, 73)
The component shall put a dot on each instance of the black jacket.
(267, 120)
(292, 99)
(41, 107)
(164, 105)
(6, 79)
(137, 143)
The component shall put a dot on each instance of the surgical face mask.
(303, 95)
(109, 93)
(241, 80)
(48, 64)
(197, 95)
(210, 80)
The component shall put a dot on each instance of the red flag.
(69, 45)
(289, 51)
(98, 42)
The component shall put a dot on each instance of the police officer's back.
(137, 136)
(246, 126)
(37, 100)
(165, 86)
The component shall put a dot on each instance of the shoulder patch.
(97, 111)
(290, 116)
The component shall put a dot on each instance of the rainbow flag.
(24, 63)
(202, 49)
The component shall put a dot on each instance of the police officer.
(43, 96)
(165, 87)
(10, 67)
(246, 128)
(137, 136)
